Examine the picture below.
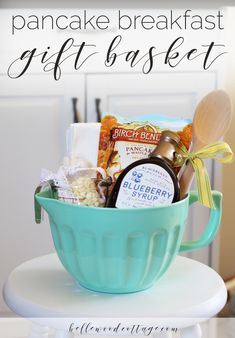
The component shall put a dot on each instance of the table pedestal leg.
(191, 332)
(38, 331)
(62, 334)
(163, 335)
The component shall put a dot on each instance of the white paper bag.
(83, 141)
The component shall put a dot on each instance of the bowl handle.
(212, 225)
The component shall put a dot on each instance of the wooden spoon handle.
(186, 179)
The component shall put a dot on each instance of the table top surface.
(42, 288)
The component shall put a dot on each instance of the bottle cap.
(167, 147)
(169, 135)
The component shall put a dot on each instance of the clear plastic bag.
(79, 185)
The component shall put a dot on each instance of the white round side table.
(187, 294)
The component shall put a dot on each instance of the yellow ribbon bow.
(213, 151)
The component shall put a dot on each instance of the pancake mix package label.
(124, 141)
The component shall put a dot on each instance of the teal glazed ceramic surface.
(122, 250)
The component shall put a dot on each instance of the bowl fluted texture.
(115, 250)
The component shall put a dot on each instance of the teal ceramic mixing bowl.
(122, 250)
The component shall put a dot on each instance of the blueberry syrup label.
(145, 185)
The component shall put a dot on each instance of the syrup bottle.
(151, 181)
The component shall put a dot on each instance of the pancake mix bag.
(124, 141)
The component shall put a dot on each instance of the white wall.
(227, 243)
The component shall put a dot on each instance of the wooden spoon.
(210, 123)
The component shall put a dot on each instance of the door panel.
(33, 120)
(133, 94)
